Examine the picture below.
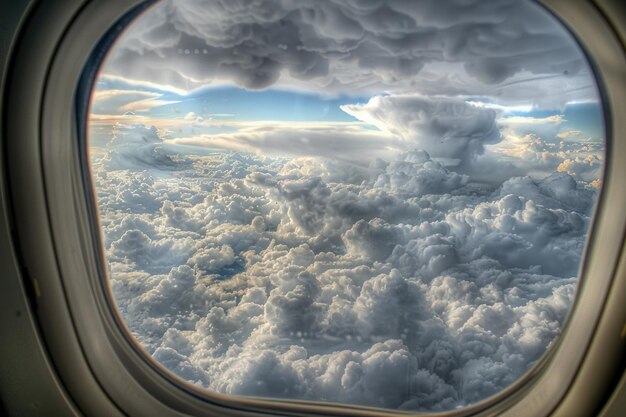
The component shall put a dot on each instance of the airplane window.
(380, 203)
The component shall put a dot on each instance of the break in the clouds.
(448, 129)
(378, 203)
(509, 50)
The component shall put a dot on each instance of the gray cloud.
(360, 45)
(413, 173)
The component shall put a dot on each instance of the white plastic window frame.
(103, 368)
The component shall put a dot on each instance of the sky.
(378, 203)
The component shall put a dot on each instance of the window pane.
(380, 203)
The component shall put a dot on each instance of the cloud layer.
(504, 49)
(399, 284)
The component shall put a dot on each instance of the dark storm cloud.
(350, 45)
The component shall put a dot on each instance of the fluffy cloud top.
(137, 147)
(445, 128)
(441, 47)
(399, 285)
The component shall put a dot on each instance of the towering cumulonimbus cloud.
(449, 129)
(441, 47)
(137, 146)
(445, 128)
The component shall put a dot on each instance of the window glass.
(375, 202)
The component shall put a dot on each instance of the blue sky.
(235, 104)
(238, 103)
(268, 104)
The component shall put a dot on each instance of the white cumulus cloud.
(397, 284)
